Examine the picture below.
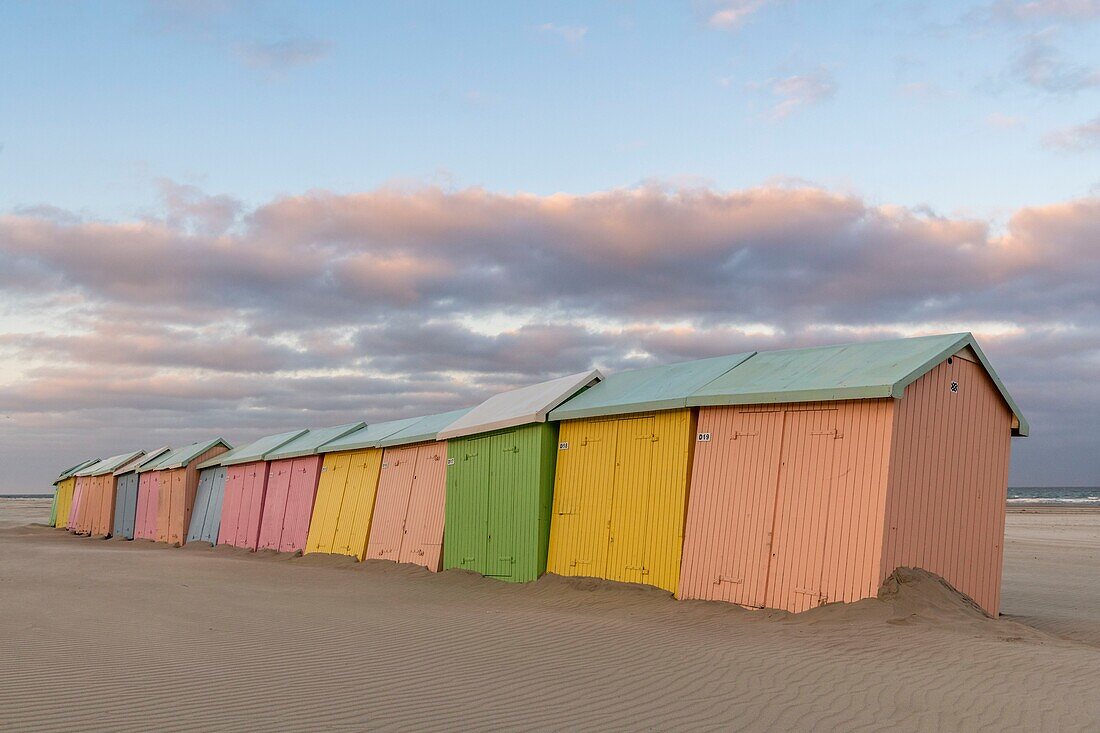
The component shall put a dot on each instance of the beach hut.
(500, 480)
(819, 471)
(244, 488)
(407, 522)
(344, 506)
(148, 498)
(206, 515)
(64, 485)
(623, 464)
(101, 494)
(179, 480)
(292, 475)
(126, 492)
(82, 489)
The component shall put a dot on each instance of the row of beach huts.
(782, 479)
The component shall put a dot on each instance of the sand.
(114, 635)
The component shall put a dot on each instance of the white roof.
(519, 406)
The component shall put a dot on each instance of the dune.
(101, 635)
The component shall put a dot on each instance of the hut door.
(466, 536)
(581, 527)
(424, 517)
(630, 502)
(807, 465)
(505, 468)
(392, 503)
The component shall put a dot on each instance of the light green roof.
(642, 390)
(310, 442)
(424, 429)
(108, 465)
(867, 370)
(154, 464)
(369, 436)
(151, 457)
(255, 450)
(71, 471)
(180, 457)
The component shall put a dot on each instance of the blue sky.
(238, 218)
(916, 104)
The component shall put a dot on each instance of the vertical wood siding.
(209, 497)
(244, 493)
(497, 507)
(65, 501)
(344, 507)
(409, 507)
(79, 511)
(786, 503)
(620, 497)
(422, 543)
(177, 498)
(291, 489)
(391, 503)
(126, 505)
(145, 525)
(949, 479)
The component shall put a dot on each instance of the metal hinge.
(835, 432)
(723, 579)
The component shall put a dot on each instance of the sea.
(1054, 495)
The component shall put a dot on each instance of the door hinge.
(723, 579)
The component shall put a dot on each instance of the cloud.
(795, 93)
(213, 318)
(733, 15)
(1075, 139)
(284, 54)
(1040, 65)
(572, 34)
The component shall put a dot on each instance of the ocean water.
(1067, 495)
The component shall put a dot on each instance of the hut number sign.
(703, 437)
(564, 445)
(955, 387)
(450, 461)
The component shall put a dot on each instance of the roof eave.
(626, 408)
(804, 395)
(967, 339)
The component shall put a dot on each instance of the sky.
(236, 218)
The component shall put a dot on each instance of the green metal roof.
(152, 456)
(154, 463)
(424, 429)
(71, 471)
(369, 436)
(642, 390)
(310, 442)
(180, 457)
(108, 465)
(255, 450)
(867, 370)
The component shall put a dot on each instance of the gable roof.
(137, 463)
(310, 442)
(71, 470)
(367, 436)
(109, 465)
(153, 464)
(180, 457)
(641, 390)
(423, 429)
(255, 450)
(867, 370)
(520, 406)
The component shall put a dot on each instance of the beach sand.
(115, 635)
